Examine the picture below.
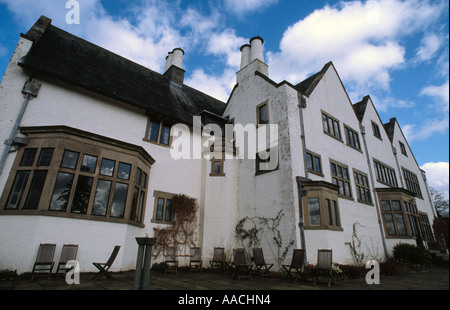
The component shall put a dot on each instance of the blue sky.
(395, 51)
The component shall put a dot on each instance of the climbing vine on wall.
(250, 231)
(182, 232)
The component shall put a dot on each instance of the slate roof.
(65, 57)
(306, 87)
(360, 108)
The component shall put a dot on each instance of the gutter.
(300, 190)
(30, 91)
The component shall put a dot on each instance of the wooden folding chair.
(240, 265)
(44, 259)
(104, 267)
(68, 253)
(297, 264)
(262, 268)
(171, 262)
(324, 266)
(218, 261)
(195, 262)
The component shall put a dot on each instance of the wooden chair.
(104, 267)
(171, 262)
(195, 262)
(68, 253)
(324, 265)
(241, 268)
(44, 259)
(297, 264)
(262, 268)
(218, 261)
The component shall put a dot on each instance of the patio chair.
(44, 259)
(297, 264)
(262, 268)
(104, 267)
(68, 253)
(171, 262)
(195, 262)
(218, 261)
(241, 268)
(324, 266)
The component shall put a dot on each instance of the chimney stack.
(174, 66)
(252, 59)
(256, 48)
(245, 55)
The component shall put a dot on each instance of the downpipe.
(30, 91)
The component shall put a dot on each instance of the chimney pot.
(245, 55)
(256, 51)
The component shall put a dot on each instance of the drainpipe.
(375, 196)
(301, 191)
(394, 150)
(30, 91)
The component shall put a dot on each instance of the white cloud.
(440, 94)
(438, 176)
(429, 45)
(362, 39)
(241, 7)
(216, 86)
(429, 127)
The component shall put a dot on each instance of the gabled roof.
(306, 87)
(360, 108)
(390, 128)
(71, 59)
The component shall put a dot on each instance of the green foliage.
(409, 254)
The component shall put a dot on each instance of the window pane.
(144, 179)
(396, 205)
(263, 118)
(28, 157)
(165, 135)
(101, 198)
(317, 166)
(134, 203)
(385, 205)
(329, 212)
(309, 162)
(45, 157)
(160, 209)
(20, 181)
(168, 214)
(314, 211)
(119, 200)
(388, 221)
(347, 189)
(61, 192)
(153, 131)
(89, 163)
(137, 179)
(69, 160)
(336, 214)
(82, 194)
(333, 169)
(107, 167)
(400, 224)
(124, 171)
(141, 205)
(34, 194)
(325, 122)
(217, 167)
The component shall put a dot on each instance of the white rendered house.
(89, 148)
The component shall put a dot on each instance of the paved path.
(434, 278)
